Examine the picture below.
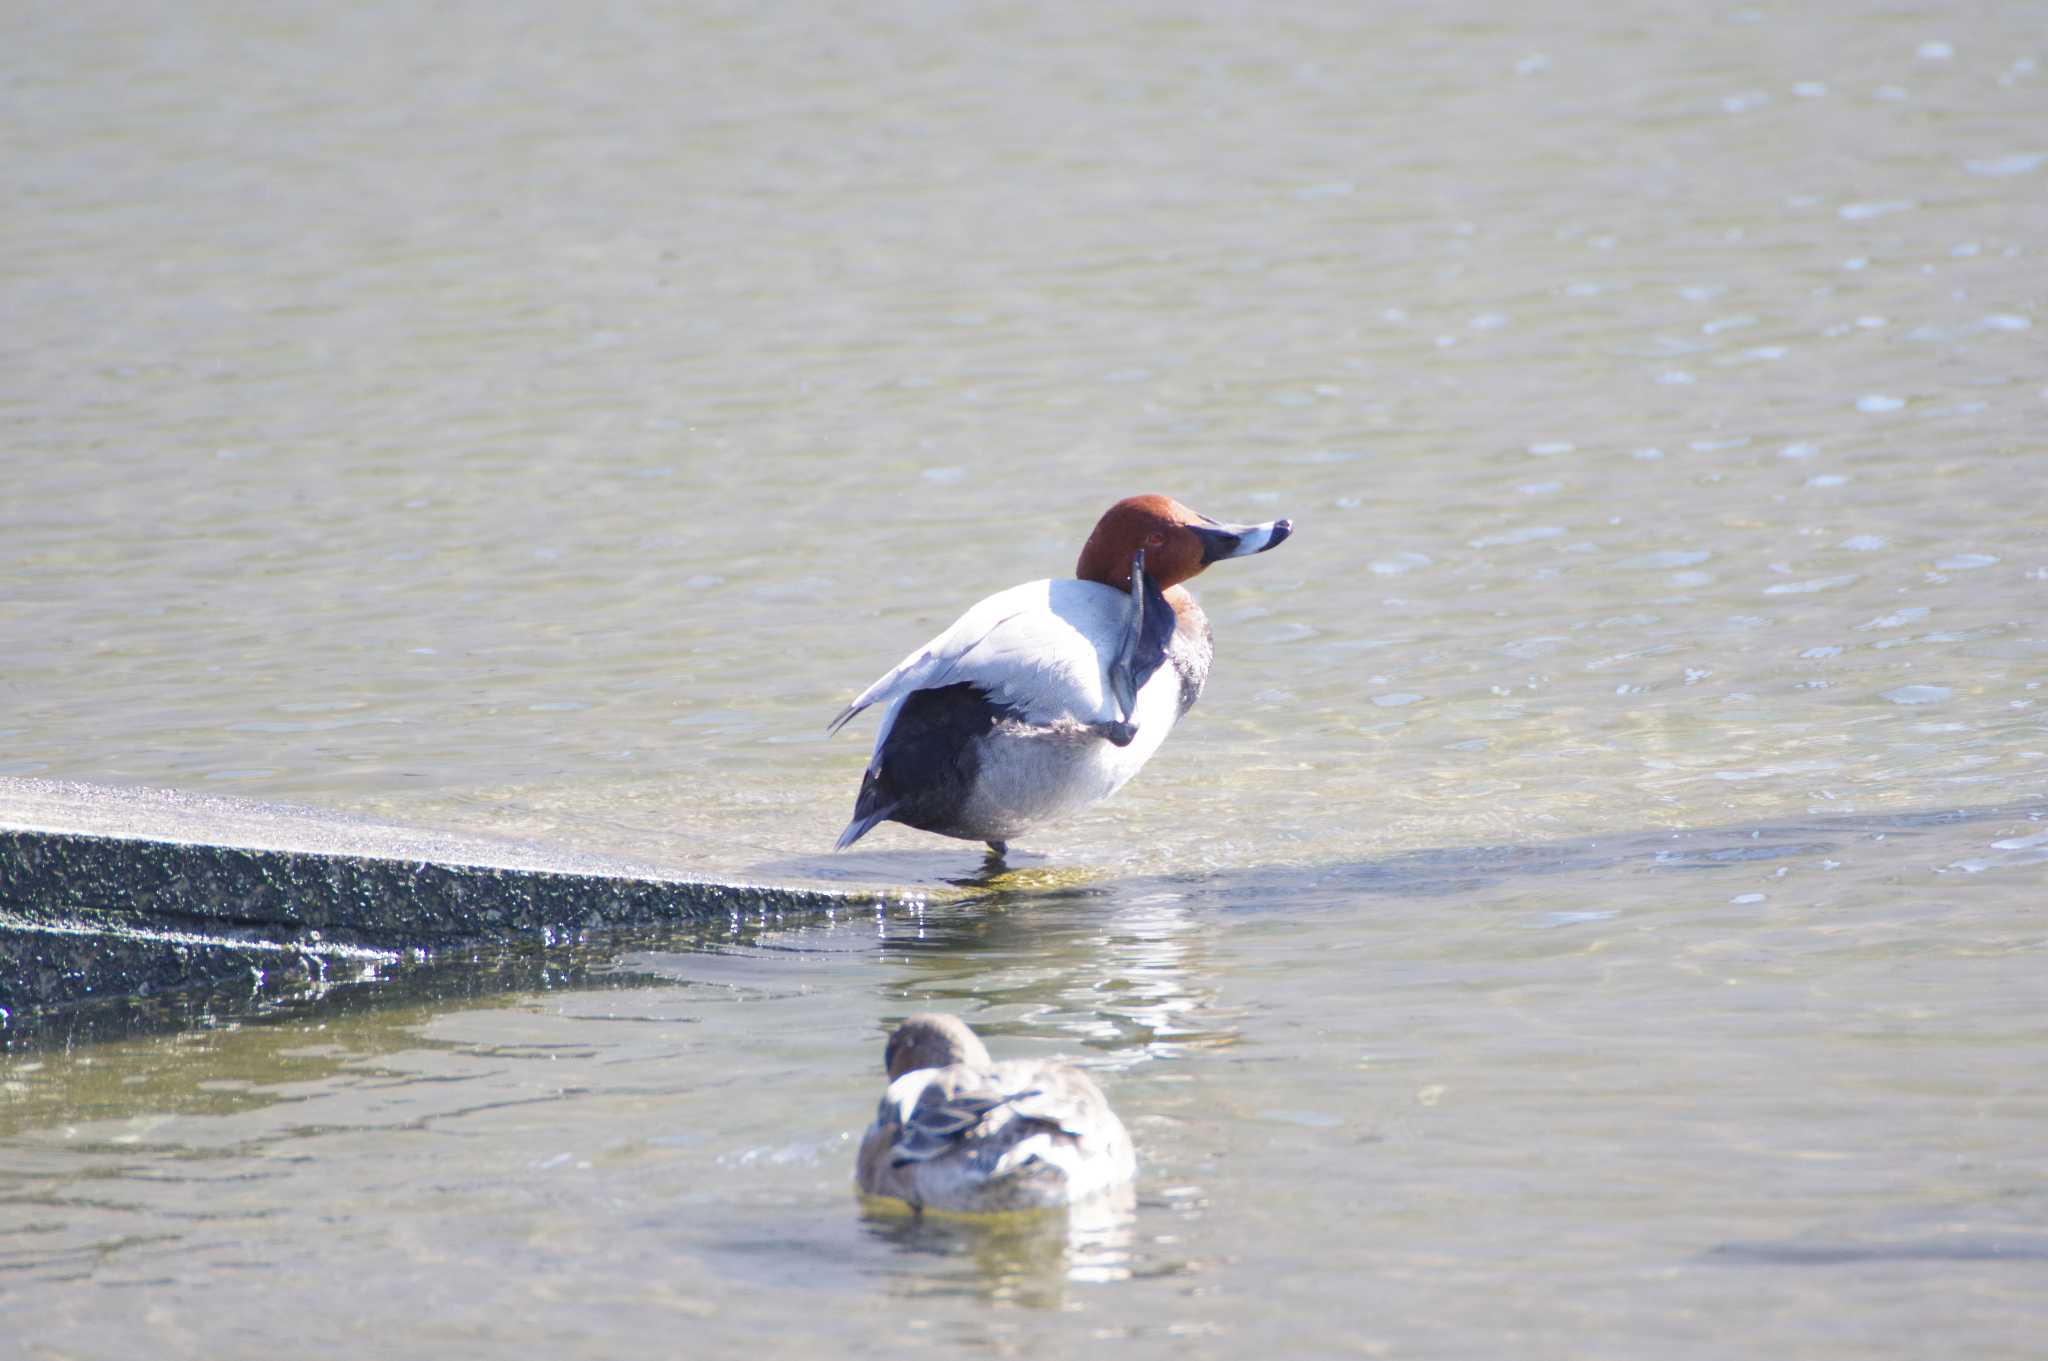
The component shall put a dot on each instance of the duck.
(958, 1132)
(1047, 697)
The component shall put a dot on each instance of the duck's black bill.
(1240, 541)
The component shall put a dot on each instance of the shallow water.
(1761, 1091)
(511, 422)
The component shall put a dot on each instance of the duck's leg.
(1116, 734)
(1123, 671)
(997, 850)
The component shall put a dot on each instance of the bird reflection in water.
(1027, 1259)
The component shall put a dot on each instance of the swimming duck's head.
(932, 1040)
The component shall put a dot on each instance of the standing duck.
(957, 1131)
(1047, 697)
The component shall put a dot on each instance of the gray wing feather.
(938, 1126)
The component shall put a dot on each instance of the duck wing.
(948, 1125)
(1043, 649)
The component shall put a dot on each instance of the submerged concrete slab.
(133, 891)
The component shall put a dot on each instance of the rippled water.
(1735, 1090)
(542, 422)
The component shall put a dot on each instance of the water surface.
(541, 422)
(1761, 1090)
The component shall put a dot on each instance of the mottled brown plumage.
(960, 1132)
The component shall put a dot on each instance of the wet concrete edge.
(86, 917)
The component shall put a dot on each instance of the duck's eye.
(1154, 540)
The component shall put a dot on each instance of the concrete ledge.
(399, 900)
(109, 892)
(52, 965)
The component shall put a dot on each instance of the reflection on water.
(1119, 973)
(1025, 1259)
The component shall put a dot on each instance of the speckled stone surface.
(107, 891)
